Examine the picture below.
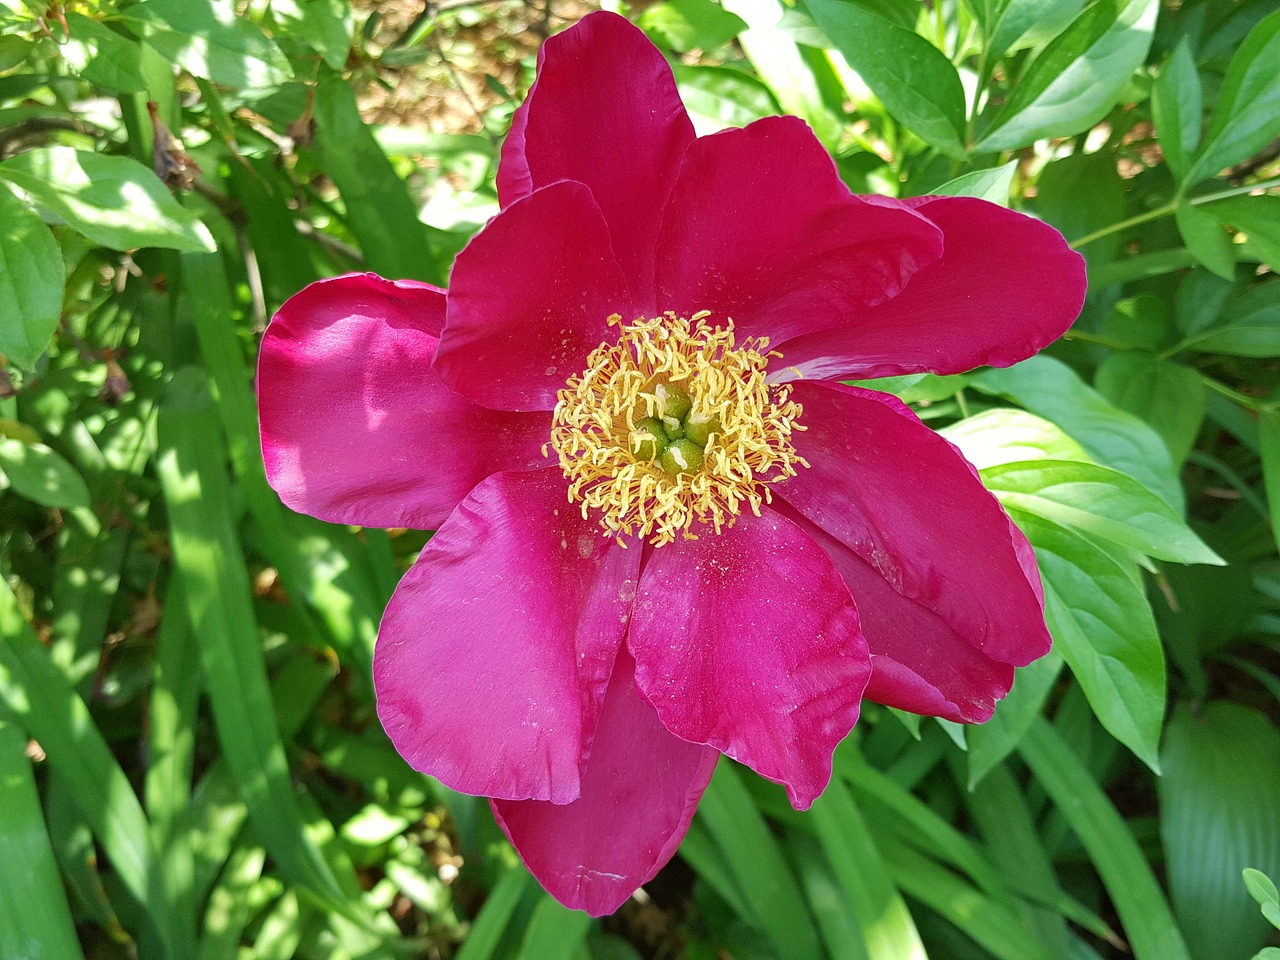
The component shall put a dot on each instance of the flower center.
(674, 424)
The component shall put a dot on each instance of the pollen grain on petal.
(672, 425)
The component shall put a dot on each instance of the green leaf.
(31, 281)
(41, 474)
(755, 865)
(1103, 627)
(37, 693)
(991, 742)
(1078, 77)
(36, 921)
(1080, 195)
(1166, 395)
(992, 185)
(490, 924)
(719, 97)
(1143, 911)
(1269, 437)
(1023, 23)
(687, 25)
(102, 56)
(1207, 240)
(1176, 108)
(1111, 436)
(1000, 436)
(886, 925)
(912, 78)
(114, 201)
(1220, 813)
(208, 40)
(193, 476)
(1259, 218)
(554, 933)
(380, 211)
(1244, 120)
(1249, 327)
(325, 24)
(1260, 886)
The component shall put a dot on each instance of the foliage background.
(190, 765)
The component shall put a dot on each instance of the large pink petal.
(918, 662)
(604, 111)
(357, 428)
(494, 654)
(748, 642)
(761, 229)
(530, 296)
(904, 500)
(638, 796)
(1006, 286)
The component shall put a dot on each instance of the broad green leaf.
(1258, 217)
(1220, 813)
(1111, 436)
(380, 211)
(102, 56)
(1200, 298)
(1140, 322)
(207, 39)
(687, 25)
(1003, 435)
(887, 929)
(1082, 194)
(42, 475)
(325, 24)
(31, 281)
(1166, 395)
(1143, 910)
(1176, 108)
(1244, 120)
(1022, 23)
(992, 185)
(35, 922)
(718, 97)
(114, 201)
(1102, 625)
(912, 78)
(197, 493)
(1078, 77)
(1249, 327)
(1269, 437)
(1207, 240)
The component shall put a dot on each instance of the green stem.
(1084, 336)
(1171, 207)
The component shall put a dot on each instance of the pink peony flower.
(666, 530)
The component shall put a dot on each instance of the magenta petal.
(1006, 286)
(604, 111)
(760, 228)
(357, 428)
(748, 641)
(638, 795)
(530, 296)
(495, 652)
(904, 500)
(918, 662)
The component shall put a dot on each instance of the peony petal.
(530, 296)
(638, 795)
(905, 500)
(760, 228)
(1006, 286)
(918, 662)
(494, 654)
(747, 641)
(604, 111)
(357, 428)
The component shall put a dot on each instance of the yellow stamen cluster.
(684, 375)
